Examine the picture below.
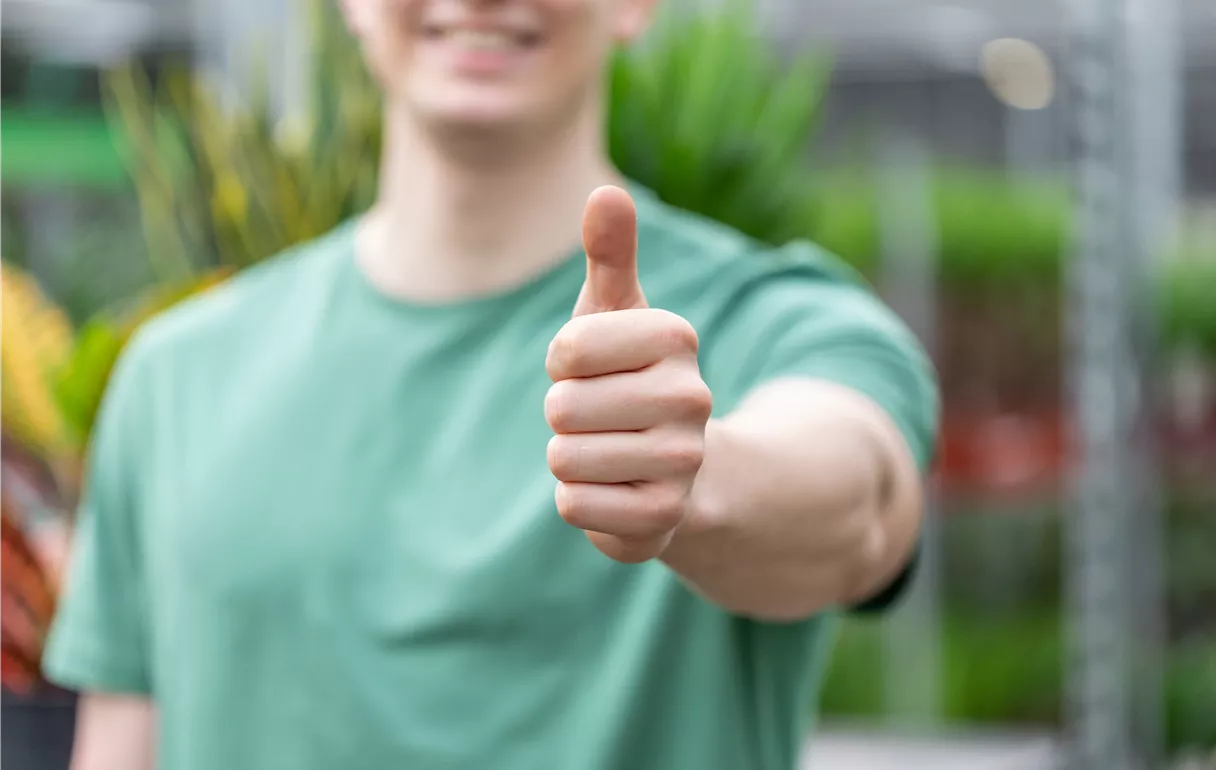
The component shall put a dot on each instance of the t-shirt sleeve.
(98, 640)
(801, 316)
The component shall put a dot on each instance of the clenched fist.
(628, 405)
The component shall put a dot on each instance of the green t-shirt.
(320, 532)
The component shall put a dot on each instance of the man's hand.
(628, 403)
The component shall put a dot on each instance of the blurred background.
(1032, 185)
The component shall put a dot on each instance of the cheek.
(583, 36)
(610, 21)
(368, 18)
(382, 33)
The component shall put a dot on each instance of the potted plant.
(54, 378)
(35, 490)
(38, 719)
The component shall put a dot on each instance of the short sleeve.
(98, 641)
(801, 314)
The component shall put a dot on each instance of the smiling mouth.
(483, 39)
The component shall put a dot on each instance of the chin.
(459, 109)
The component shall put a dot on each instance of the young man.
(321, 529)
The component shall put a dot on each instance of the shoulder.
(255, 304)
(720, 274)
(681, 244)
(687, 235)
(793, 310)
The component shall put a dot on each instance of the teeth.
(482, 40)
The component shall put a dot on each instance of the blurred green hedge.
(992, 227)
(1003, 656)
(1188, 300)
(1002, 670)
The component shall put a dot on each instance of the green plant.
(1004, 660)
(35, 341)
(992, 229)
(1010, 670)
(37, 454)
(230, 187)
(1188, 287)
(95, 254)
(1190, 697)
(705, 113)
(80, 382)
(53, 381)
(29, 602)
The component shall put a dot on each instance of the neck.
(477, 214)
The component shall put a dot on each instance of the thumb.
(610, 238)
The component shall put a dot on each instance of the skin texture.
(508, 150)
(113, 732)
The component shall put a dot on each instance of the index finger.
(624, 341)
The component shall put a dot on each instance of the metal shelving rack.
(1113, 555)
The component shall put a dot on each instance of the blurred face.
(492, 63)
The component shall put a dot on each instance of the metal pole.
(909, 275)
(1107, 291)
(1155, 162)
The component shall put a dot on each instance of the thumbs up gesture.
(628, 405)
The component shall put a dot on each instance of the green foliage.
(81, 382)
(79, 389)
(1010, 669)
(231, 187)
(705, 113)
(1004, 659)
(94, 253)
(35, 340)
(992, 228)
(1190, 697)
(1189, 301)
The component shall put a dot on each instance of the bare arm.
(115, 732)
(808, 497)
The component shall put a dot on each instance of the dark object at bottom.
(36, 730)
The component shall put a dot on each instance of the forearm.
(807, 498)
(114, 732)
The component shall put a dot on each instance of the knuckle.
(563, 458)
(560, 407)
(569, 506)
(693, 399)
(665, 510)
(566, 351)
(677, 333)
(682, 456)
(701, 400)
